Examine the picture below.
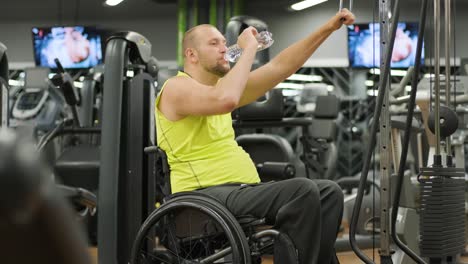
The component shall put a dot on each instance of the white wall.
(287, 27)
(162, 33)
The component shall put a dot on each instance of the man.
(194, 128)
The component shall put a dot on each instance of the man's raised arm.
(291, 59)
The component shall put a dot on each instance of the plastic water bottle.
(264, 39)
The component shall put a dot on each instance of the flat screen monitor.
(364, 45)
(76, 47)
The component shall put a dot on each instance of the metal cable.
(406, 138)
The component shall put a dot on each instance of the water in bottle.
(264, 39)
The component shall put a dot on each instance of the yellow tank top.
(202, 151)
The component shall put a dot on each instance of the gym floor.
(345, 257)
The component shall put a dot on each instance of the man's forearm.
(233, 84)
(284, 64)
(291, 59)
(294, 57)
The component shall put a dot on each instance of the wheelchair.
(191, 227)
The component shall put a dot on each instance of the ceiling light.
(78, 84)
(305, 78)
(113, 2)
(432, 75)
(289, 86)
(15, 83)
(400, 73)
(372, 92)
(287, 92)
(306, 4)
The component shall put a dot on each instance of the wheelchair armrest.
(276, 170)
(160, 154)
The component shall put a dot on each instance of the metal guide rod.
(350, 5)
(447, 65)
(385, 143)
(4, 94)
(396, 148)
(4, 103)
(437, 75)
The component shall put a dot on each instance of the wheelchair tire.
(179, 245)
(226, 214)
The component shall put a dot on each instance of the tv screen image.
(363, 39)
(75, 47)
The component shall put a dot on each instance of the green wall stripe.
(213, 12)
(182, 27)
(227, 11)
(195, 13)
(238, 7)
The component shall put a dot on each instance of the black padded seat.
(78, 166)
(272, 154)
(266, 148)
(328, 106)
(324, 129)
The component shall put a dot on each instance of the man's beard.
(219, 70)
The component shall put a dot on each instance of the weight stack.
(442, 226)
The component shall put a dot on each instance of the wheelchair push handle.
(151, 149)
(160, 155)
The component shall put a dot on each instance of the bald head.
(191, 37)
(204, 48)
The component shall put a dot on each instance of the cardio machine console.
(29, 103)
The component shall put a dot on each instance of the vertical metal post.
(4, 102)
(385, 144)
(447, 66)
(4, 95)
(109, 220)
(437, 75)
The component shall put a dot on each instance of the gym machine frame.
(125, 181)
(438, 183)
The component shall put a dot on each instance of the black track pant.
(308, 211)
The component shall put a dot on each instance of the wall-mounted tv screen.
(363, 39)
(75, 46)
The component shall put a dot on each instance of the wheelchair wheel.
(234, 225)
(190, 230)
